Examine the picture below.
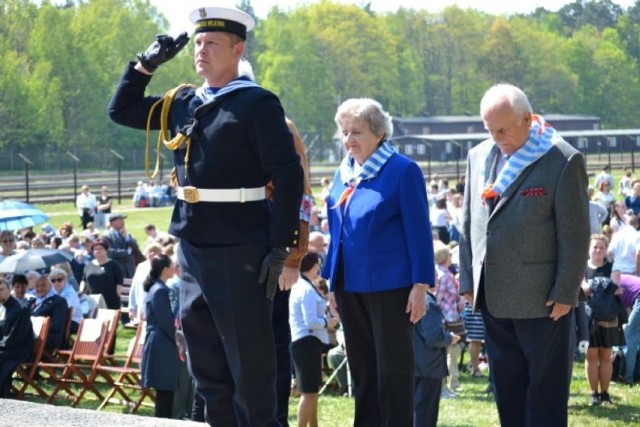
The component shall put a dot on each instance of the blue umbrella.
(16, 215)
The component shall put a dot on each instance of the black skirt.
(605, 336)
(306, 355)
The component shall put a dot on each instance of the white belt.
(239, 195)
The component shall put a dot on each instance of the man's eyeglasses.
(57, 279)
(7, 241)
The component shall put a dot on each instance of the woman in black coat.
(160, 353)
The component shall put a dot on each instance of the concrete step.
(17, 413)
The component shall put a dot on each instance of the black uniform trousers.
(226, 321)
(282, 335)
(530, 361)
(379, 343)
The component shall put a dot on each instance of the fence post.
(119, 161)
(633, 152)
(429, 161)
(75, 175)
(27, 162)
(610, 141)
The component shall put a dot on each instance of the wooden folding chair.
(112, 317)
(105, 315)
(129, 377)
(27, 371)
(60, 354)
(80, 368)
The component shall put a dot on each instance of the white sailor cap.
(227, 19)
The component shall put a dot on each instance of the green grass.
(470, 409)
(474, 408)
(137, 218)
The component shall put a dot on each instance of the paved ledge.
(17, 413)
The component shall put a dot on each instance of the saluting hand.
(162, 50)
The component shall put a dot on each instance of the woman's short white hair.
(368, 110)
(32, 275)
(58, 272)
(516, 98)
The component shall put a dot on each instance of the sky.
(177, 11)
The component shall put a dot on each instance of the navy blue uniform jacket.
(240, 140)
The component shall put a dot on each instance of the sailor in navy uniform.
(229, 139)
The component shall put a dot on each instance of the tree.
(634, 12)
(503, 58)
(629, 33)
(464, 31)
(608, 79)
(600, 14)
(16, 108)
(318, 56)
(245, 5)
(290, 67)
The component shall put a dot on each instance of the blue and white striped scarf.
(208, 94)
(370, 170)
(541, 138)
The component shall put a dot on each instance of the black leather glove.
(162, 50)
(271, 269)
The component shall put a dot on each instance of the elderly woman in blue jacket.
(380, 262)
(160, 353)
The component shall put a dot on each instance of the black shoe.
(605, 398)
(595, 399)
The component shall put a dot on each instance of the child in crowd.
(448, 297)
(604, 327)
(430, 341)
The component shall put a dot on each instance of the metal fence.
(48, 160)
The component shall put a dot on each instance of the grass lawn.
(137, 218)
(471, 408)
(474, 408)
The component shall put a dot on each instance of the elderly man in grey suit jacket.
(523, 254)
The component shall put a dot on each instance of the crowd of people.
(153, 194)
(100, 261)
(397, 276)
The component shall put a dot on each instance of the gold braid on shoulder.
(163, 136)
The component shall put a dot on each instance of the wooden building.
(412, 134)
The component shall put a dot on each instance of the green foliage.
(59, 64)
(608, 76)
(597, 13)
